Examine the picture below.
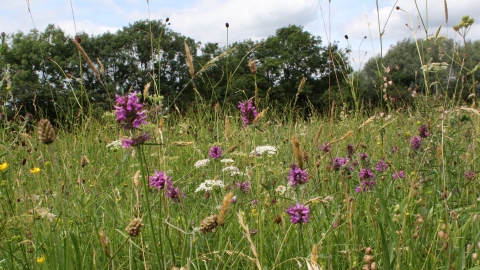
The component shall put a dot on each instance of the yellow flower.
(35, 170)
(3, 166)
(41, 260)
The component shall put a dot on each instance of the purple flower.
(395, 149)
(363, 156)
(399, 174)
(135, 141)
(366, 174)
(159, 180)
(423, 131)
(416, 142)
(381, 166)
(128, 111)
(350, 150)
(254, 202)
(297, 176)
(470, 175)
(365, 186)
(216, 152)
(245, 186)
(173, 193)
(233, 199)
(325, 147)
(299, 213)
(248, 112)
(339, 162)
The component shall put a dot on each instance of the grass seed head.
(208, 224)
(46, 133)
(134, 227)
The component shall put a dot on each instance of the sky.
(204, 20)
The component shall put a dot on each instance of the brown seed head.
(368, 259)
(227, 25)
(134, 227)
(84, 161)
(46, 133)
(168, 19)
(208, 224)
(346, 37)
(397, 8)
(253, 66)
(78, 39)
(104, 242)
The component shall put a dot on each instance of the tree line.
(43, 72)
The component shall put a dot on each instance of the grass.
(426, 220)
(419, 212)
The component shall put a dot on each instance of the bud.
(3, 34)
(168, 19)
(368, 259)
(134, 227)
(46, 133)
(346, 37)
(373, 266)
(397, 8)
(78, 39)
(474, 257)
(227, 25)
(368, 251)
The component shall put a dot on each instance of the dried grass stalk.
(136, 179)
(368, 121)
(101, 66)
(344, 137)
(146, 89)
(317, 137)
(87, 59)
(297, 152)
(104, 243)
(189, 60)
(259, 116)
(252, 246)
(223, 211)
(227, 127)
(446, 10)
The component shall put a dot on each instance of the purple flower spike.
(297, 176)
(129, 111)
(159, 180)
(423, 131)
(470, 175)
(381, 166)
(366, 174)
(416, 143)
(216, 152)
(299, 214)
(325, 147)
(399, 174)
(135, 141)
(339, 162)
(248, 112)
(245, 186)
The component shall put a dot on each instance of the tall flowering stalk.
(130, 116)
(248, 112)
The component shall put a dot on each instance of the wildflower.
(173, 192)
(254, 202)
(363, 156)
(245, 186)
(215, 152)
(201, 163)
(299, 214)
(3, 166)
(159, 180)
(399, 174)
(233, 199)
(208, 185)
(35, 170)
(416, 142)
(248, 112)
(325, 147)
(297, 175)
(395, 149)
(380, 166)
(423, 131)
(366, 174)
(339, 162)
(350, 150)
(270, 150)
(115, 145)
(470, 175)
(365, 186)
(129, 114)
(227, 160)
(41, 260)
(135, 141)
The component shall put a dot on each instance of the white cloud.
(86, 26)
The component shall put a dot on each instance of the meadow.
(247, 185)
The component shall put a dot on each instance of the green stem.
(147, 203)
(116, 252)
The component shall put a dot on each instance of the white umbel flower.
(208, 185)
(201, 163)
(270, 150)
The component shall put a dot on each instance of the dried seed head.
(46, 133)
(397, 8)
(223, 211)
(373, 266)
(168, 19)
(253, 66)
(368, 251)
(104, 242)
(84, 161)
(227, 25)
(474, 257)
(346, 37)
(78, 39)
(368, 259)
(277, 219)
(297, 152)
(208, 224)
(136, 177)
(3, 34)
(134, 227)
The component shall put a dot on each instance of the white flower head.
(201, 163)
(115, 145)
(227, 160)
(270, 150)
(208, 185)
